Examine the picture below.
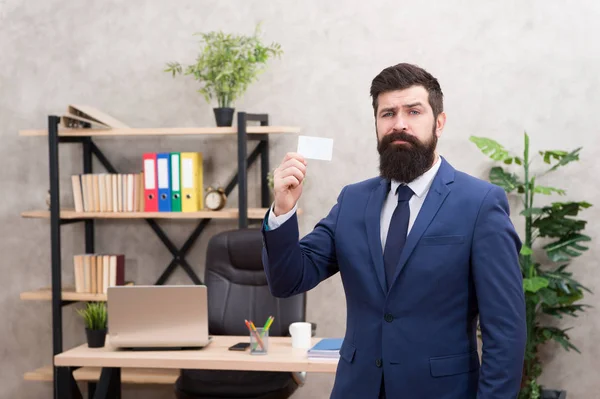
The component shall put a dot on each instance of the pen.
(253, 330)
(266, 328)
(268, 324)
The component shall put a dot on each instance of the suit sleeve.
(295, 266)
(501, 300)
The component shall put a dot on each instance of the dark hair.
(402, 76)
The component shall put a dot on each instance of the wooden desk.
(216, 356)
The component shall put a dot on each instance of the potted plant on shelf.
(95, 319)
(550, 289)
(226, 65)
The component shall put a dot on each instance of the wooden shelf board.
(227, 213)
(68, 294)
(178, 131)
(128, 375)
(42, 374)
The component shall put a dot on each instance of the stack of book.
(108, 192)
(327, 348)
(94, 273)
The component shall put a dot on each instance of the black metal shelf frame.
(64, 383)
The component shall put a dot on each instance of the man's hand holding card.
(289, 175)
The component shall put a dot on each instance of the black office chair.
(237, 290)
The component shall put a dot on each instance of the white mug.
(301, 335)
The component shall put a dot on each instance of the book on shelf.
(326, 348)
(108, 192)
(82, 116)
(94, 273)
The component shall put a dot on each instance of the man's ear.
(440, 123)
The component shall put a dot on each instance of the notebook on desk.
(157, 317)
(327, 348)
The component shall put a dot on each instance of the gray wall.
(505, 68)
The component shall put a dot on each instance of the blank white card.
(315, 147)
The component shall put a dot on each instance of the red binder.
(150, 183)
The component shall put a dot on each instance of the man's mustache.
(388, 139)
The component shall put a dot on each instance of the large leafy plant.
(227, 64)
(550, 289)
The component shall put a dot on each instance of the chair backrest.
(237, 287)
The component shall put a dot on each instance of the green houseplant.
(550, 289)
(95, 319)
(226, 65)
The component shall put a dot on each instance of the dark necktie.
(397, 233)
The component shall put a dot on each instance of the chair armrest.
(299, 377)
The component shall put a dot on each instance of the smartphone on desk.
(240, 346)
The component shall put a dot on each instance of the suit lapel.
(435, 198)
(373, 225)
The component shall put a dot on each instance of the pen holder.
(259, 342)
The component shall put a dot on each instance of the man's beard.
(405, 162)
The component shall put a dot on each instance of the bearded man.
(424, 252)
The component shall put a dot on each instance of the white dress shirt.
(420, 187)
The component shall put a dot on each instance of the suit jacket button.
(388, 317)
(378, 363)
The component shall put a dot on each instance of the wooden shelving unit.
(185, 131)
(60, 296)
(68, 294)
(92, 374)
(227, 213)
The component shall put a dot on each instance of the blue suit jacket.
(460, 261)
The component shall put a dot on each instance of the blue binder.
(163, 174)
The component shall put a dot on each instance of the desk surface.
(216, 356)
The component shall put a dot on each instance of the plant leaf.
(510, 160)
(525, 250)
(548, 190)
(532, 211)
(554, 222)
(558, 335)
(491, 148)
(534, 284)
(526, 147)
(562, 157)
(547, 296)
(504, 179)
(559, 311)
(566, 248)
(563, 282)
(94, 315)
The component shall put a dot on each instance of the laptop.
(157, 317)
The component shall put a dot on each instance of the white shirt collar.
(421, 184)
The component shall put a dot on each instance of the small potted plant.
(95, 319)
(226, 65)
